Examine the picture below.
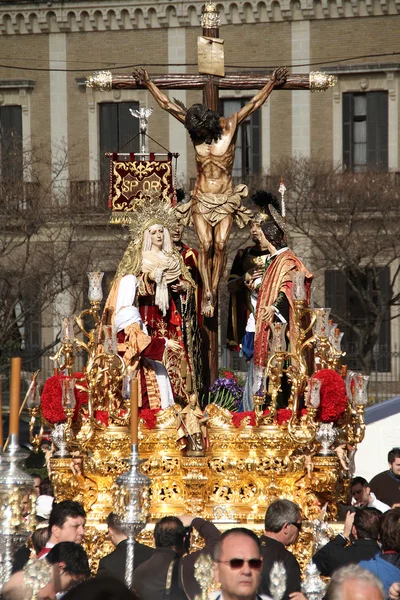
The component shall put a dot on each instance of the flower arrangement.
(51, 398)
(226, 391)
(333, 396)
(149, 417)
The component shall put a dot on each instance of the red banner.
(131, 180)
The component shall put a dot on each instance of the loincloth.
(215, 207)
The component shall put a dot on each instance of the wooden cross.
(210, 85)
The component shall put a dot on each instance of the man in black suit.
(114, 563)
(169, 574)
(357, 542)
(282, 527)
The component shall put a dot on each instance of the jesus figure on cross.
(214, 204)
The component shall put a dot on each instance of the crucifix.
(214, 204)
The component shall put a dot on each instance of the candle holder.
(321, 331)
(299, 288)
(321, 326)
(33, 404)
(65, 356)
(204, 575)
(95, 296)
(313, 398)
(361, 389)
(313, 587)
(14, 484)
(278, 343)
(110, 340)
(133, 506)
(95, 293)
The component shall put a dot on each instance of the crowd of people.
(363, 561)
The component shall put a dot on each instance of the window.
(11, 164)
(118, 132)
(365, 131)
(20, 318)
(248, 144)
(345, 305)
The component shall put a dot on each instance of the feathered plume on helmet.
(269, 209)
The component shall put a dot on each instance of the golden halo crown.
(155, 210)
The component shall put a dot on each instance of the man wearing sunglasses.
(238, 564)
(282, 528)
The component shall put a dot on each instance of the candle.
(189, 381)
(15, 394)
(1, 413)
(134, 410)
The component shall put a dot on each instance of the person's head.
(366, 523)
(360, 491)
(389, 530)
(170, 532)
(238, 564)
(394, 461)
(102, 587)
(354, 583)
(203, 124)
(257, 234)
(36, 483)
(115, 530)
(273, 234)
(193, 399)
(156, 237)
(176, 233)
(70, 565)
(25, 505)
(45, 487)
(67, 522)
(40, 537)
(283, 521)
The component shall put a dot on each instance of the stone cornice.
(363, 68)
(17, 84)
(27, 17)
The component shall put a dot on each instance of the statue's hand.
(267, 313)
(141, 76)
(279, 76)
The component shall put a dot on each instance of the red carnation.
(237, 418)
(51, 399)
(283, 415)
(101, 416)
(333, 396)
(148, 417)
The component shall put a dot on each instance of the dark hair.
(281, 512)
(45, 487)
(62, 510)
(114, 523)
(234, 531)
(73, 555)
(361, 480)
(103, 587)
(33, 475)
(394, 453)
(168, 532)
(200, 116)
(273, 233)
(366, 523)
(389, 530)
(39, 538)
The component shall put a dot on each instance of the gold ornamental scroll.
(210, 56)
(132, 180)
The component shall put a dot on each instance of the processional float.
(111, 457)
